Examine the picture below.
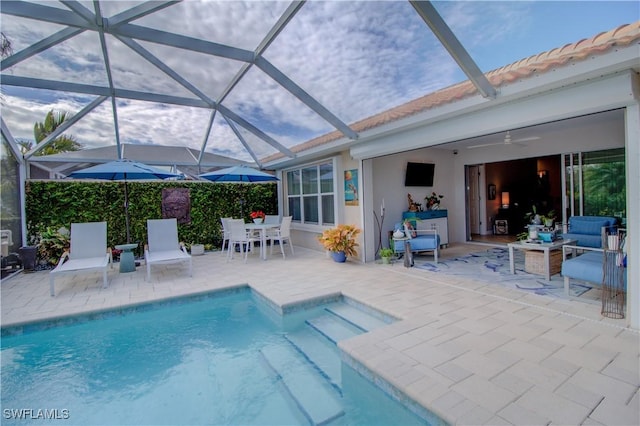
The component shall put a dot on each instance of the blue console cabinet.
(431, 219)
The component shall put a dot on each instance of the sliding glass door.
(594, 184)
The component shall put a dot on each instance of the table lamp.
(505, 200)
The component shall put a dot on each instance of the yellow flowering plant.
(340, 238)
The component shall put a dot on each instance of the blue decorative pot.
(339, 256)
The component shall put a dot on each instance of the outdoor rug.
(492, 266)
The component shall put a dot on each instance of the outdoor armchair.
(419, 240)
(590, 231)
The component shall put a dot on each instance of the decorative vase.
(435, 207)
(339, 256)
(258, 220)
(398, 234)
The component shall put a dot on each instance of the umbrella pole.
(126, 211)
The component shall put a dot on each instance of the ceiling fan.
(507, 141)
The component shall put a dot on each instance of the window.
(311, 194)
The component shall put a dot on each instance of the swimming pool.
(224, 359)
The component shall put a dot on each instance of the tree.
(5, 46)
(63, 143)
(25, 145)
(605, 188)
(5, 50)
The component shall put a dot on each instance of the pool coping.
(30, 326)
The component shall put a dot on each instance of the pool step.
(319, 353)
(333, 328)
(357, 317)
(315, 397)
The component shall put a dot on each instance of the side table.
(546, 249)
(127, 260)
(614, 288)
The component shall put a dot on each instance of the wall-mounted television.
(419, 174)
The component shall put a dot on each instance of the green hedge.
(57, 204)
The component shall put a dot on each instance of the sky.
(357, 58)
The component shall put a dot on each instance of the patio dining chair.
(163, 245)
(88, 251)
(283, 234)
(271, 219)
(226, 233)
(239, 237)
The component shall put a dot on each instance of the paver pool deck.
(471, 352)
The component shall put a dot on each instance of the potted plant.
(432, 202)
(52, 243)
(386, 254)
(533, 217)
(340, 241)
(257, 216)
(547, 219)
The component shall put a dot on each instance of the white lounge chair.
(163, 245)
(239, 236)
(88, 252)
(283, 234)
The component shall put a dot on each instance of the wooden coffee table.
(546, 248)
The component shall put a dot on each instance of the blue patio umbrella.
(123, 170)
(239, 174)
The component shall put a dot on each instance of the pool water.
(226, 360)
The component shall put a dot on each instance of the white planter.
(197, 249)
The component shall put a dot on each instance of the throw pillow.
(409, 230)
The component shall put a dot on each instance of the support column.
(632, 137)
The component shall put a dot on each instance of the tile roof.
(604, 42)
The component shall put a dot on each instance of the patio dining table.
(263, 228)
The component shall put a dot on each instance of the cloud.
(359, 58)
(356, 58)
